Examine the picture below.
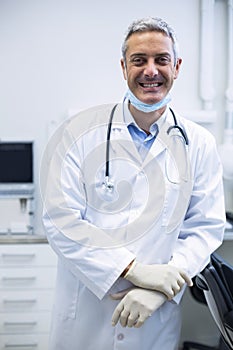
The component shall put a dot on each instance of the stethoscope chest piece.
(108, 185)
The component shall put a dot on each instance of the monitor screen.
(16, 162)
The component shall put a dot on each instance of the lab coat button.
(120, 336)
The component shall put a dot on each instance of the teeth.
(151, 85)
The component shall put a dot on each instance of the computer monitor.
(16, 162)
(16, 169)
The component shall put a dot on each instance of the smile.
(151, 85)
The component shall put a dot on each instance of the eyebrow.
(140, 54)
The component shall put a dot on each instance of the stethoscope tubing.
(176, 126)
(108, 142)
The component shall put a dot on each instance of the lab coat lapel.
(157, 148)
(162, 142)
(177, 171)
(122, 144)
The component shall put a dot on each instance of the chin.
(150, 100)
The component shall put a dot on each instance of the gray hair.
(150, 24)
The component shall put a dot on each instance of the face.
(150, 68)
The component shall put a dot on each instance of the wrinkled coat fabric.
(153, 215)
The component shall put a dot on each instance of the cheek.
(171, 76)
(175, 73)
(132, 75)
(125, 74)
(123, 69)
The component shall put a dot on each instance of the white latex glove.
(136, 306)
(165, 278)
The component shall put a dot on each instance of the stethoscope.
(109, 186)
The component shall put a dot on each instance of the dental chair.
(214, 287)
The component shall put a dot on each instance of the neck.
(145, 120)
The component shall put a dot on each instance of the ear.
(177, 67)
(123, 67)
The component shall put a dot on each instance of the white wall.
(64, 54)
(61, 55)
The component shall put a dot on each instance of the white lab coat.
(96, 233)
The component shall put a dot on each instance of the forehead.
(150, 42)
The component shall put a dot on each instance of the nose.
(150, 69)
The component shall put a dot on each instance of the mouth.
(150, 85)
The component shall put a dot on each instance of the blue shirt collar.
(129, 120)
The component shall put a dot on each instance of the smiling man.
(150, 65)
(135, 216)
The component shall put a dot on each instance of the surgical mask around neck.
(144, 107)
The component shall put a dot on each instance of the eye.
(137, 61)
(163, 60)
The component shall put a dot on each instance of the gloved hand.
(136, 306)
(165, 278)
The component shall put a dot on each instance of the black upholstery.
(214, 287)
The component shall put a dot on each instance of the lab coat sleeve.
(71, 236)
(203, 228)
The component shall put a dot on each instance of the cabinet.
(27, 280)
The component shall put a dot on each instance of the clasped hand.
(136, 306)
(165, 278)
(157, 284)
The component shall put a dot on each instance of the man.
(134, 218)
